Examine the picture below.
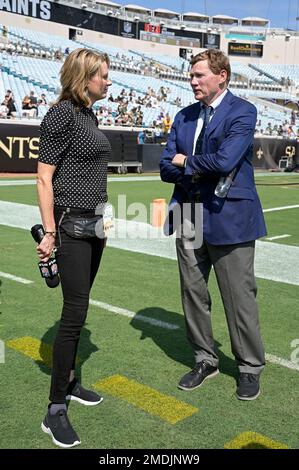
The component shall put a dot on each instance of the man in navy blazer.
(209, 140)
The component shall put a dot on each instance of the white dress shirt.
(213, 105)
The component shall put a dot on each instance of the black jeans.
(78, 261)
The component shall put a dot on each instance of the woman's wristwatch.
(51, 234)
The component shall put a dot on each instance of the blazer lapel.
(191, 128)
(221, 111)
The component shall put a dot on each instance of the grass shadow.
(173, 342)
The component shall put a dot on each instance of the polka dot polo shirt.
(71, 141)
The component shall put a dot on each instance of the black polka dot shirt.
(71, 141)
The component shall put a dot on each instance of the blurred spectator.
(139, 119)
(9, 93)
(163, 93)
(158, 131)
(149, 136)
(269, 129)
(26, 106)
(109, 120)
(3, 109)
(293, 118)
(161, 116)
(167, 124)
(285, 128)
(42, 100)
(12, 112)
(33, 104)
(291, 133)
(58, 54)
(141, 137)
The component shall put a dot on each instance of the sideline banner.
(19, 145)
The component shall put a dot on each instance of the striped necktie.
(208, 110)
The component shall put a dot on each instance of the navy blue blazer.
(228, 144)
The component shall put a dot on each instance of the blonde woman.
(72, 185)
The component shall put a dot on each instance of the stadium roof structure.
(254, 21)
(133, 7)
(198, 15)
(224, 19)
(162, 12)
(108, 3)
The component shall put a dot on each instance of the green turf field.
(135, 364)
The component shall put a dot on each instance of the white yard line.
(283, 208)
(15, 278)
(111, 179)
(136, 316)
(153, 321)
(117, 179)
(133, 178)
(281, 174)
(277, 237)
(17, 182)
(273, 261)
(281, 362)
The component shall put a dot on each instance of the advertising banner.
(245, 49)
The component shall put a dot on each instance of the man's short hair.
(217, 61)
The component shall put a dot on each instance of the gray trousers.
(234, 269)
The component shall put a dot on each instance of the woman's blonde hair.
(79, 67)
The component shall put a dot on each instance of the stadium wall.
(19, 146)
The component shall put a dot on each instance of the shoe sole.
(83, 402)
(197, 386)
(60, 444)
(248, 398)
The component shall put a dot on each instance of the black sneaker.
(248, 386)
(60, 429)
(195, 378)
(86, 397)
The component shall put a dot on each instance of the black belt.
(75, 210)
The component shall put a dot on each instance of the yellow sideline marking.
(165, 407)
(253, 440)
(33, 348)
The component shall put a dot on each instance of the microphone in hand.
(48, 269)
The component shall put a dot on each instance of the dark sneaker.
(248, 386)
(195, 378)
(60, 429)
(86, 397)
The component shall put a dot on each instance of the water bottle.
(224, 184)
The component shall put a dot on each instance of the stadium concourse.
(137, 349)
